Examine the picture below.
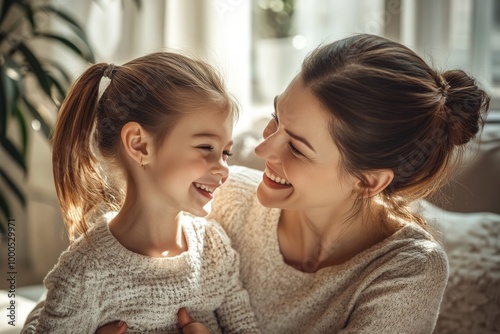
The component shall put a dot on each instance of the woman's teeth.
(204, 187)
(275, 178)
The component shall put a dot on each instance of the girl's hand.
(117, 327)
(188, 325)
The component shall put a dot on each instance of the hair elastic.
(444, 87)
(109, 71)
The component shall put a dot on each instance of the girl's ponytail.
(79, 186)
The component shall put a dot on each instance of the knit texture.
(396, 286)
(97, 281)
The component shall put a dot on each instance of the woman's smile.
(274, 181)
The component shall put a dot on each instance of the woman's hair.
(390, 110)
(155, 91)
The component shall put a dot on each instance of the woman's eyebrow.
(291, 134)
(301, 139)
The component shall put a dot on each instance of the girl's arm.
(235, 314)
(68, 305)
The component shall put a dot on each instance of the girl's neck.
(310, 242)
(148, 230)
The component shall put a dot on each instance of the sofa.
(465, 218)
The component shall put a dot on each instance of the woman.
(326, 239)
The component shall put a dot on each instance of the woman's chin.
(271, 198)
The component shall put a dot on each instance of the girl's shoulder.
(207, 231)
(79, 260)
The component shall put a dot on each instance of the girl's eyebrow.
(291, 134)
(211, 136)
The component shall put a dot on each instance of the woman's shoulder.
(413, 248)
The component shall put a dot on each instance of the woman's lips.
(273, 181)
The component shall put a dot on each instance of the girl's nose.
(220, 167)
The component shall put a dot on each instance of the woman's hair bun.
(466, 106)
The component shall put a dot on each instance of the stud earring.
(141, 164)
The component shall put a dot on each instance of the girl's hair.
(155, 91)
(390, 110)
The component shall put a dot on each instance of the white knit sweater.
(396, 286)
(101, 281)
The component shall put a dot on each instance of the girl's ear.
(376, 181)
(137, 143)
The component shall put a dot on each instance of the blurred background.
(257, 45)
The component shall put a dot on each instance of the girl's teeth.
(204, 187)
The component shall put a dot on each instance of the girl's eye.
(227, 153)
(294, 149)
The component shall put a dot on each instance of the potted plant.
(277, 51)
(27, 81)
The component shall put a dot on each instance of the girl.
(163, 125)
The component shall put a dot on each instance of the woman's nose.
(268, 149)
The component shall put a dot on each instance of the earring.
(141, 164)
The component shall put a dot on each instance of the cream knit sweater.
(101, 281)
(396, 286)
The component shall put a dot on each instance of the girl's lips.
(205, 192)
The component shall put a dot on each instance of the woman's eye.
(275, 117)
(294, 149)
(206, 147)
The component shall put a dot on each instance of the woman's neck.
(149, 229)
(310, 241)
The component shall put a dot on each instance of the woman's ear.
(376, 181)
(137, 143)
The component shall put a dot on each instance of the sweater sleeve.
(405, 299)
(235, 314)
(68, 307)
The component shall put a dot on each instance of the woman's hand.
(116, 327)
(188, 325)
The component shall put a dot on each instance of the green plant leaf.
(54, 65)
(23, 129)
(14, 153)
(35, 67)
(75, 26)
(3, 104)
(13, 187)
(6, 4)
(29, 13)
(57, 84)
(45, 127)
(5, 209)
(69, 44)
